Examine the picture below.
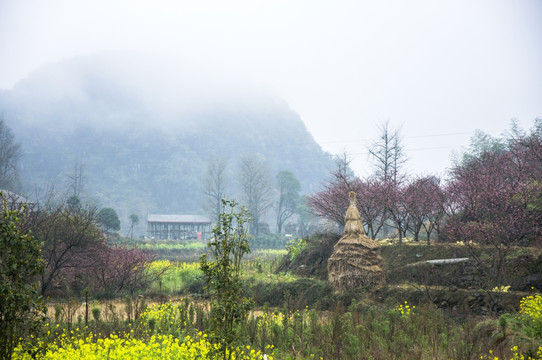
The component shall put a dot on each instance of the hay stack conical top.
(355, 260)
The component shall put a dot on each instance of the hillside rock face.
(355, 260)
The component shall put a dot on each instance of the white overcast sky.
(439, 69)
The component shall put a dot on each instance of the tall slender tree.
(76, 180)
(255, 181)
(221, 267)
(388, 157)
(134, 220)
(214, 187)
(289, 188)
(10, 153)
(387, 154)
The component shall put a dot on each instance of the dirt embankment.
(459, 287)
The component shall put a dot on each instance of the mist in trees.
(256, 189)
(134, 220)
(111, 137)
(288, 188)
(214, 187)
(10, 151)
(109, 220)
(257, 192)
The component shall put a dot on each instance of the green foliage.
(73, 202)
(134, 219)
(174, 276)
(268, 241)
(295, 247)
(20, 264)
(109, 219)
(222, 272)
(96, 313)
(481, 143)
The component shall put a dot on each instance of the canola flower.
(163, 318)
(530, 310)
(502, 288)
(530, 314)
(73, 346)
(405, 310)
(158, 343)
(168, 266)
(516, 355)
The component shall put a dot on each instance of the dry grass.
(355, 260)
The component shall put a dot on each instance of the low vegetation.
(294, 317)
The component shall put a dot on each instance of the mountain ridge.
(143, 152)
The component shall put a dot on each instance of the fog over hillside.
(143, 131)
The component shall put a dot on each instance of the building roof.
(190, 219)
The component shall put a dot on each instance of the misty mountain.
(143, 131)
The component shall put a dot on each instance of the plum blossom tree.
(120, 268)
(424, 203)
(397, 206)
(69, 236)
(489, 205)
(332, 200)
(371, 203)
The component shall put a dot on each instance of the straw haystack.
(355, 260)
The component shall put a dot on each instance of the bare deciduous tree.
(332, 200)
(255, 181)
(76, 180)
(388, 154)
(215, 187)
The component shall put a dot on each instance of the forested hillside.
(98, 126)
